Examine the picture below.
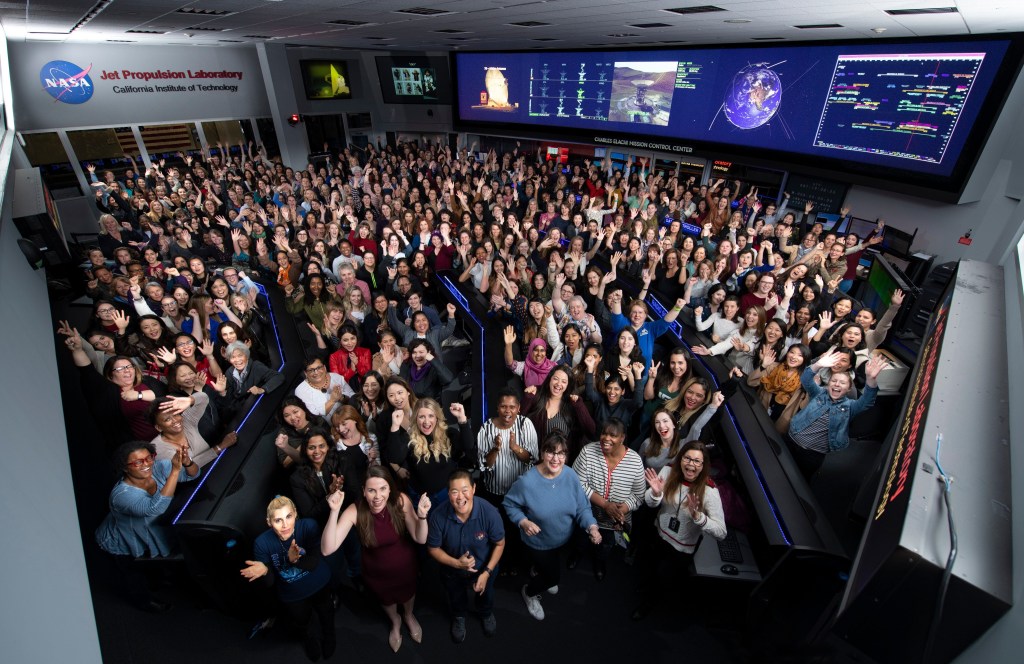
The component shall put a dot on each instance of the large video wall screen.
(905, 106)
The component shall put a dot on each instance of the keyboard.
(729, 549)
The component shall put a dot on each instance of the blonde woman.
(356, 306)
(431, 449)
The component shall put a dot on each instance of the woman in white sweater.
(688, 506)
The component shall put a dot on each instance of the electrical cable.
(947, 573)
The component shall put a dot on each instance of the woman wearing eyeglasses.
(689, 506)
(547, 502)
(131, 530)
(120, 403)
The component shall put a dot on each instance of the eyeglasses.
(316, 369)
(690, 461)
(140, 463)
(560, 454)
(106, 310)
(127, 367)
(185, 344)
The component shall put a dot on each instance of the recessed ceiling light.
(343, 21)
(700, 9)
(529, 24)
(817, 26)
(203, 12)
(736, 20)
(623, 34)
(650, 25)
(422, 11)
(927, 10)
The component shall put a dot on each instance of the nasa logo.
(66, 82)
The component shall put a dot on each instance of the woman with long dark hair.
(778, 381)
(554, 407)
(689, 506)
(665, 383)
(387, 525)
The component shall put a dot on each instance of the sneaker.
(490, 625)
(533, 605)
(459, 630)
(553, 590)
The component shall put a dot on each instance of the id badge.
(673, 524)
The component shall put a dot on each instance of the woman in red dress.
(387, 525)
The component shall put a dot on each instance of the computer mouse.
(731, 570)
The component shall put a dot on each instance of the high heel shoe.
(395, 641)
(415, 631)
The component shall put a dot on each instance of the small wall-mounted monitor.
(325, 79)
(414, 80)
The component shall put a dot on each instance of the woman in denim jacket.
(823, 426)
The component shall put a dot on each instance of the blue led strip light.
(659, 309)
(209, 470)
(461, 299)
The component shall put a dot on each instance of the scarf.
(534, 373)
(782, 383)
(416, 374)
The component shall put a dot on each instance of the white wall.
(47, 615)
(1005, 640)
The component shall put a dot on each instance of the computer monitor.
(883, 279)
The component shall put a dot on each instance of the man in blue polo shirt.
(467, 538)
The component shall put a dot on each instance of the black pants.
(599, 553)
(662, 570)
(136, 580)
(808, 461)
(515, 555)
(545, 564)
(458, 586)
(301, 611)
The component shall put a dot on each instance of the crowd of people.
(608, 437)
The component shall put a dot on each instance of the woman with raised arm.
(823, 427)
(535, 367)
(689, 506)
(290, 550)
(431, 448)
(387, 525)
(742, 343)
(665, 382)
(133, 529)
(778, 382)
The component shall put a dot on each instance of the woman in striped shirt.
(612, 476)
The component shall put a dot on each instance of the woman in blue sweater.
(546, 502)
